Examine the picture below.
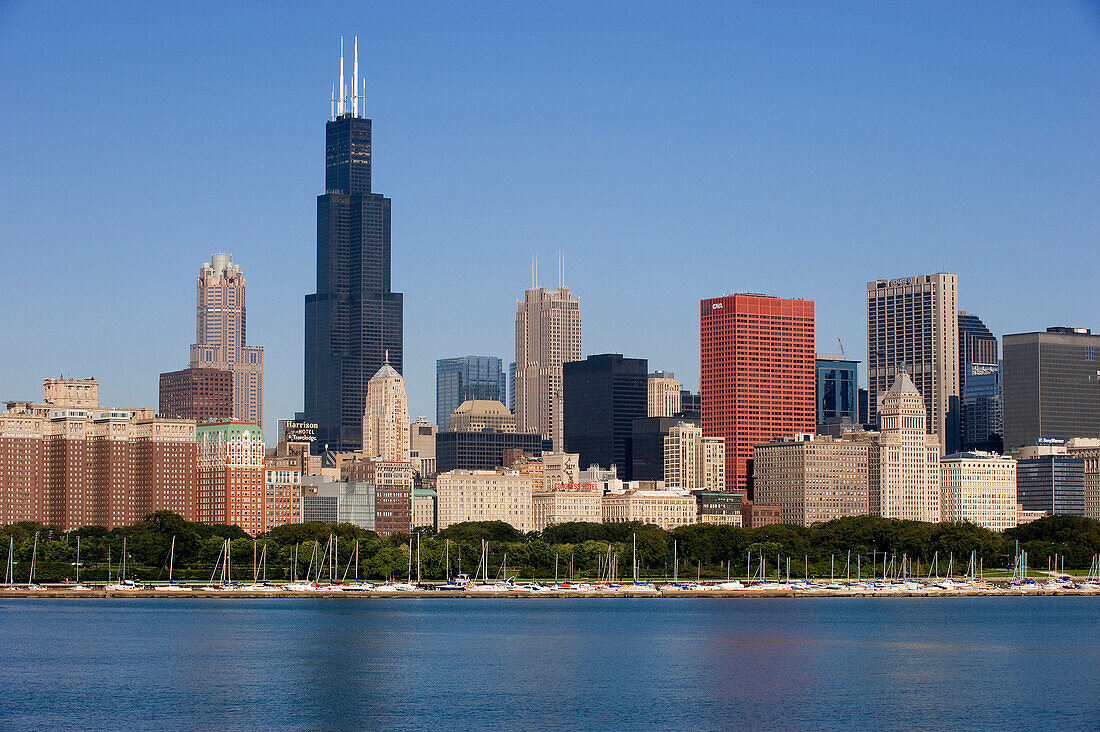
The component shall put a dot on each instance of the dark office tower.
(690, 406)
(602, 396)
(983, 408)
(1051, 483)
(354, 320)
(836, 389)
(1051, 385)
(458, 380)
(977, 344)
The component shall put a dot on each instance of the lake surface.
(534, 664)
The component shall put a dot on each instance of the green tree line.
(709, 550)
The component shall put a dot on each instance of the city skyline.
(722, 244)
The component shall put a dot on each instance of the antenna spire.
(355, 76)
(340, 103)
(332, 103)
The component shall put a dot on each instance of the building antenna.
(355, 75)
(340, 104)
(332, 103)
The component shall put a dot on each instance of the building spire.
(340, 102)
(355, 77)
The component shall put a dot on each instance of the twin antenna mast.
(349, 103)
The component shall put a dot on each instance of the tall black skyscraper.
(354, 319)
(601, 398)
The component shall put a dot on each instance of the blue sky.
(672, 152)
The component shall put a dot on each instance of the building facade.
(813, 479)
(422, 441)
(282, 492)
(979, 488)
(983, 408)
(392, 484)
(1087, 449)
(694, 462)
(603, 395)
(1051, 483)
(757, 374)
(231, 483)
(458, 380)
(70, 462)
(719, 507)
(913, 326)
(482, 450)
(648, 448)
(548, 334)
(904, 461)
(663, 395)
(482, 414)
(484, 495)
(354, 320)
(220, 335)
(837, 389)
(201, 394)
(565, 506)
(1051, 385)
(386, 419)
(977, 344)
(423, 507)
(664, 508)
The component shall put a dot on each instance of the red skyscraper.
(756, 357)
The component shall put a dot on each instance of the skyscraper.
(548, 334)
(386, 418)
(904, 466)
(1051, 385)
(603, 395)
(200, 392)
(837, 387)
(977, 344)
(354, 319)
(983, 408)
(913, 326)
(461, 379)
(664, 394)
(757, 374)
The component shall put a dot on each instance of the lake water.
(534, 664)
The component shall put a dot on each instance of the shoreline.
(602, 593)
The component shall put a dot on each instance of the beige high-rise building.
(484, 495)
(548, 334)
(664, 398)
(220, 341)
(1088, 449)
(913, 326)
(904, 461)
(386, 418)
(694, 462)
(979, 488)
(476, 415)
(812, 478)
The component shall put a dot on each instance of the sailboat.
(34, 558)
(172, 586)
(9, 569)
(259, 585)
(78, 587)
(123, 584)
(225, 579)
(460, 582)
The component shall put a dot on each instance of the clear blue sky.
(673, 152)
